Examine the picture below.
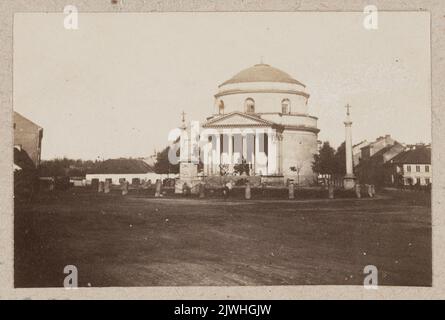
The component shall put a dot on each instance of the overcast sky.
(117, 85)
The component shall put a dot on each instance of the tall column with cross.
(349, 179)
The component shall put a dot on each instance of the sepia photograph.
(222, 149)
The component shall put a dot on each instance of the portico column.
(230, 151)
(280, 153)
(272, 153)
(244, 155)
(207, 159)
(257, 148)
(254, 155)
(217, 153)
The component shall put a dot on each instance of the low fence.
(250, 187)
(240, 192)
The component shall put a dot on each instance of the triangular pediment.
(238, 119)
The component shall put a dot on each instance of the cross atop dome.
(183, 120)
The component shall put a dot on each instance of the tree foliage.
(340, 159)
(163, 165)
(64, 167)
(324, 161)
(242, 167)
(329, 160)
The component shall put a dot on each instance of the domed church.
(261, 120)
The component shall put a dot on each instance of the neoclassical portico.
(239, 138)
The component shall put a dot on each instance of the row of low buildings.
(134, 171)
(388, 162)
(27, 151)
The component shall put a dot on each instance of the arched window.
(285, 106)
(249, 105)
(221, 107)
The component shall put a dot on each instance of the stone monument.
(188, 168)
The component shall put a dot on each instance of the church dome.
(262, 73)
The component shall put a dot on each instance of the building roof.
(376, 158)
(22, 159)
(417, 155)
(361, 143)
(379, 157)
(121, 166)
(19, 116)
(238, 119)
(262, 73)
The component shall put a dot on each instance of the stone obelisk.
(188, 170)
(349, 179)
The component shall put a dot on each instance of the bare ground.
(141, 241)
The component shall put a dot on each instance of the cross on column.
(347, 108)
(183, 116)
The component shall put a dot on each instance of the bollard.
(202, 190)
(158, 188)
(263, 189)
(51, 185)
(248, 191)
(95, 184)
(125, 188)
(369, 187)
(373, 190)
(331, 191)
(358, 191)
(101, 187)
(107, 186)
(291, 190)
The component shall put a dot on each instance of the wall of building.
(235, 95)
(422, 174)
(128, 177)
(291, 120)
(298, 149)
(28, 136)
(376, 146)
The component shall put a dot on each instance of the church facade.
(261, 123)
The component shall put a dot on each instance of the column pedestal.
(349, 182)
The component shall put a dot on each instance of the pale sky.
(116, 86)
